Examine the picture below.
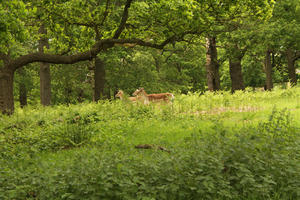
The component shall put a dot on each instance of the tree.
(232, 23)
(22, 88)
(286, 20)
(268, 70)
(72, 24)
(109, 39)
(45, 78)
(99, 77)
(212, 65)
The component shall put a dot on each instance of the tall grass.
(220, 146)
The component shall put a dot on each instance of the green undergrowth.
(210, 146)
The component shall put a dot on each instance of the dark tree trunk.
(68, 94)
(268, 71)
(157, 64)
(236, 75)
(291, 66)
(45, 78)
(45, 84)
(157, 61)
(99, 79)
(212, 65)
(80, 96)
(22, 89)
(108, 95)
(6, 91)
(22, 95)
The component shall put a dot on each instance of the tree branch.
(72, 21)
(90, 54)
(297, 55)
(123, 20)
(105, 14)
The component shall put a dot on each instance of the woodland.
(227, 125)
(61, 52)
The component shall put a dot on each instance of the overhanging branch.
(90, 54)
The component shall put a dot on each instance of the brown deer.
(161, 97)
(123, 97)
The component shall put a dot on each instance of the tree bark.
(45, 84)
(99, 79)
(22, 95)
(68, 94)
(235, 68)
(6, 91)
(291, 66)
(45, 78)
(80, 96)
(212, 65)
(22, 89)
(268, 71)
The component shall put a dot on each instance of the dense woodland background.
(98, 47)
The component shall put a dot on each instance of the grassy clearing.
(222, 146)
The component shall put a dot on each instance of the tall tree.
(268, 70)
(22, 88)
(286, 20)
(45, 77)
(235, 68)
(99, 76)
(291, 56)
(229, 20)
(212, 65)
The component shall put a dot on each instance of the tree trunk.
(22, 88)
(45, 84)
(268, 71)
(22, 95)
(68, 94)
(80, 96)
(291, 66)
(157, 61)
(212, 65)
(236, 75)
(6, 91)
(99, 79)
(45, 78)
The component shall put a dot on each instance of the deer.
(161, 97)
(123, 97)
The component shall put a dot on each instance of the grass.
(222, 146)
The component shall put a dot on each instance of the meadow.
(244, 145)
